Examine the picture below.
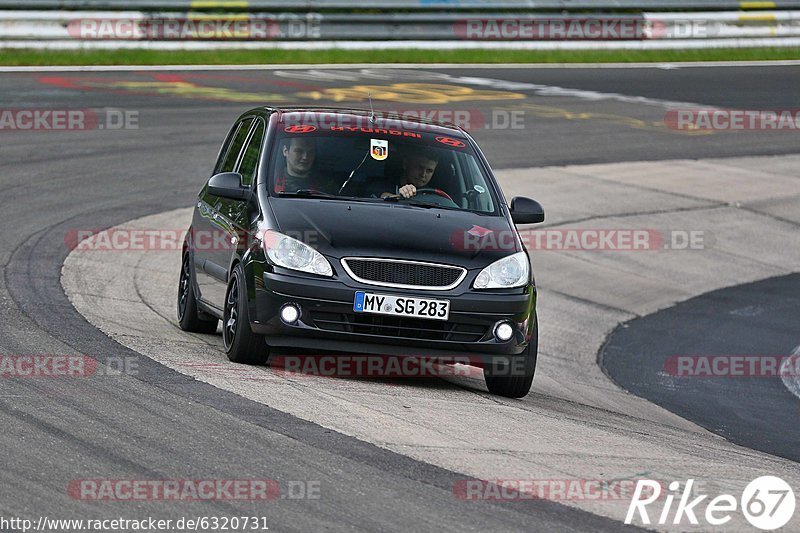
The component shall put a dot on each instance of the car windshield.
(375, 163)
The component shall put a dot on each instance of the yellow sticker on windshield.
(378, 149)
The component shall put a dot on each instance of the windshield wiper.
(429, 205)
(309, 193)
(416, 203)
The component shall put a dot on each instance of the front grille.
(406, 274)
(398, 327)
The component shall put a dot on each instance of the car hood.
(340, 228)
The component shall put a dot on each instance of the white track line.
(789, 376)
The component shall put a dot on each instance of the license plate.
(386, 304)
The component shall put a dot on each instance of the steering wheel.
(434, 197)
(431, 190)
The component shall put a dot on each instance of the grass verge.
(30, 57)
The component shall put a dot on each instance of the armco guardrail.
(89, 26)
(393, 5)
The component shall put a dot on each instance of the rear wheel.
(189, 316)
(241, 344)
(513, 377)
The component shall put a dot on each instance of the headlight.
(290, 253)
(506, 273)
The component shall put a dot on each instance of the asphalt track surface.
(759, 319)
(161, 424)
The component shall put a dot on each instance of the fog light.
(290, 313)
(503, 331)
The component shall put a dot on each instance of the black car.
(359, 232)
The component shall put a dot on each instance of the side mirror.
(228, 185)
(526, 211)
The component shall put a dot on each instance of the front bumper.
(328, 322)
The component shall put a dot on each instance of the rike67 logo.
(767, 502)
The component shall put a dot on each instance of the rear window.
(371, 163)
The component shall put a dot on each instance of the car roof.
(319, 114)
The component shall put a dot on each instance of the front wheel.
(241, 344)
(512, 377)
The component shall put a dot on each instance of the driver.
(418, 169)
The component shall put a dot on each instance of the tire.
(241, 344)
(501, 382)
(189, 316)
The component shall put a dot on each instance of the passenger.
(299, 174)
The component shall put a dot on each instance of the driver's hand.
(407, 191)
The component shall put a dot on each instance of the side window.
(236, 146)
(249, 164)
(477, 189)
